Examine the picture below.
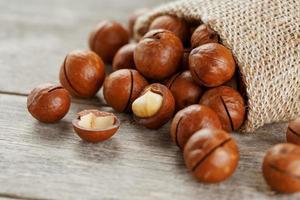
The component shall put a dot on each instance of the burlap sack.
(264, 36)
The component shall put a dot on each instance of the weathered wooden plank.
(50, 161)
(36, 35)
(39, 161)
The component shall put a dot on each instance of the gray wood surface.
(39, 161)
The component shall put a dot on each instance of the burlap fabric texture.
(264, 36)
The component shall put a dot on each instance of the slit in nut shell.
(95, 126)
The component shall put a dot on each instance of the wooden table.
(39, 161)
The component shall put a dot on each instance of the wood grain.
(40, 161)
(36, 35)
(50, 161)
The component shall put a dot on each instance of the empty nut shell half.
(95, 126)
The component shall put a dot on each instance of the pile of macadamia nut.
(177, 70)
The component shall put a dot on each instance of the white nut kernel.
(86, 120)
(91, 121)
(147, 105)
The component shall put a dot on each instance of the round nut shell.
(228, 104)
(124, 58)
(82, 73)
(203, 35)
(191, 119)
(48, 103)
(211, 155)
(174, 24)
(281, 168)
(122, 87)
(185, 91)
(211, 64)
(107, 38)
(158, 55)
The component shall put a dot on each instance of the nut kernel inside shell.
(91, 121)
(147, 105)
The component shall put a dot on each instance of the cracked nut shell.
(228, 104)
(281, 168)
(211, 64)
(203, 35)
(82, 73)
(174, 24)
(158, 55)
(107, 38)
(48, 103)
(293, 132)
(185, 91)
(124, 58)
(211, 155)
(93, 134)
(122, 87)
(191, 119)
(165, 112)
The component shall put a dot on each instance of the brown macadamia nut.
(211, 64)
(228, 104)
(82, 73)
(95, 126)
(293, 132)
(107, 38)
(133, 17)
(191, 119)
(124, 58)
(158, 55)
(211, 155)
(281, 168)
(185, 91)
(176, 25)
(122, 87)
(154, 107)
(48, 103)
(203, 35)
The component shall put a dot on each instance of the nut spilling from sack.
(193, 79)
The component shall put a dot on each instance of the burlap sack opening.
(264, 36)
